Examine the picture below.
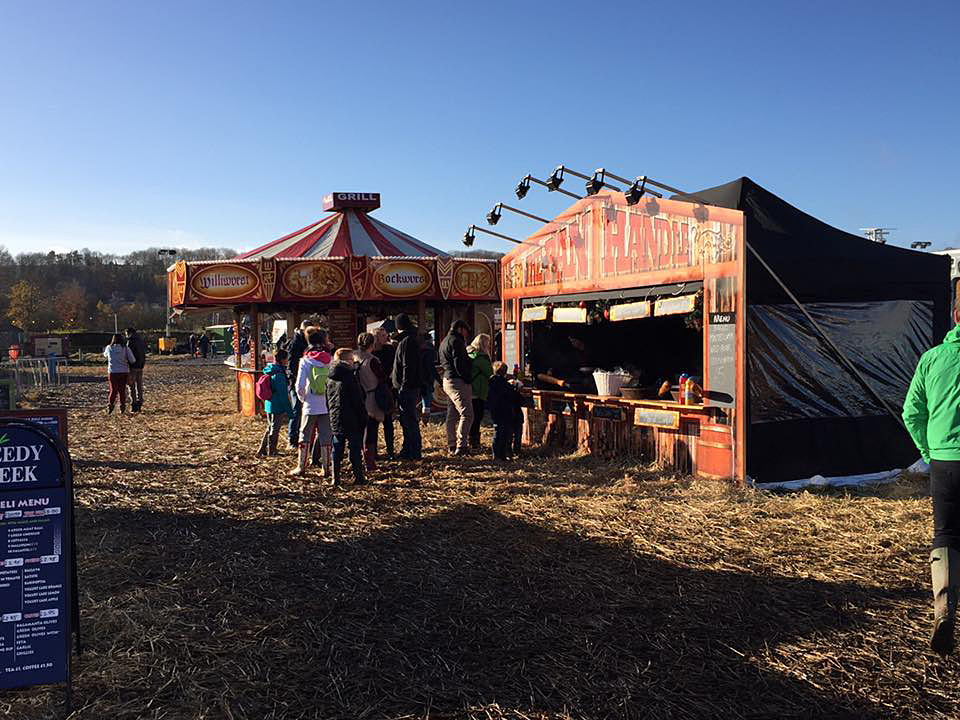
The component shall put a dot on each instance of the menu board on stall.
(36, 557)
(343, 327)
(510, 356)
(722, 357)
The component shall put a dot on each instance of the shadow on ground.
(466, 609)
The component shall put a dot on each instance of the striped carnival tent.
(347, 232)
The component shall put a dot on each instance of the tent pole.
(850, 366)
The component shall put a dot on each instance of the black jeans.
(477, 419)
(355, 443)
(502, 439)
(412, 448)
(945, 490)
(293, 427)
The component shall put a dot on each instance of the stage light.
(469, 237)
(523, 187)
(636, 190)
(598, 181)
(556, 179)
(493, 217)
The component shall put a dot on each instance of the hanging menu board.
(510, 356)
(36, 556)
(722, 359)
(343, 327)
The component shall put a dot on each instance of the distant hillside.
(483, 254)
(83, 289)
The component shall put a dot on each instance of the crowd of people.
(336, 400)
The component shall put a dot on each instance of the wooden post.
(255, 337)
(236, 353)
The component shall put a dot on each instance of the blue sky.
(125, 125)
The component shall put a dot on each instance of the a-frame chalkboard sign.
(38, 600)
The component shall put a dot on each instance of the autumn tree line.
(82, 290)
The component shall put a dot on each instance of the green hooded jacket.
(481, 370)
(931, 411)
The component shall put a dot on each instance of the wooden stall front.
(639, 263)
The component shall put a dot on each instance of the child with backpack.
(503, 400)
(348, 416)
(273, 389)
(312, 390)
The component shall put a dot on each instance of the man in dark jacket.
(135, 379)
(428, 375)
(348, 415)
(298, 346)
(406, 381)
(457, 373)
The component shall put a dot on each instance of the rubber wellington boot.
(335, 474)
(370, 458)
(301, 467)
(945, 573)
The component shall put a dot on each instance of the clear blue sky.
(129, 124)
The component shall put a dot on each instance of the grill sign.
(402, 279)
(225, 282)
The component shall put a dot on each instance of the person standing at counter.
(298, 347)
(278, 406)
(457, 376)
(312, 390)
(931, 417)
(406, 381)
(480, 371)
(385, 352)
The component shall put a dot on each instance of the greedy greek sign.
(37, 599)
(24, 463)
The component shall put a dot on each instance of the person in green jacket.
(479, 352)
(931, 413)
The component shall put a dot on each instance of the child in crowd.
(119, 357)
(278, 407)
(312, 390)
(348, 416)
(503, 400)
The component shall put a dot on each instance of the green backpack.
(317, 380)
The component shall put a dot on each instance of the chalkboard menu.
(36, 557)
(510, 356)
(343, 327)
(722, 359)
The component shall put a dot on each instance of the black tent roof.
(817, 261)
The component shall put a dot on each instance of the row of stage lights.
(634, 192)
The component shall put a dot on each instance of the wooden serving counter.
(689, 439)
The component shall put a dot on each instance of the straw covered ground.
(213, 586)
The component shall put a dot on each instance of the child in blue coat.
(278, 407)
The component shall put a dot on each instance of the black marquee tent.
(807, 412)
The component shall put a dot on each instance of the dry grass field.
(214, 586)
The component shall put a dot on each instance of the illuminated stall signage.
(630, 311)
(317, 278)
(225, 282)
(537, 312)
(570, 315)
(402, 278)
(675, 305)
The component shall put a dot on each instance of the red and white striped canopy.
(345, 233)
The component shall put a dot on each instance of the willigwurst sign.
(36, 556)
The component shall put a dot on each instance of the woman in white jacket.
(119, 357)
